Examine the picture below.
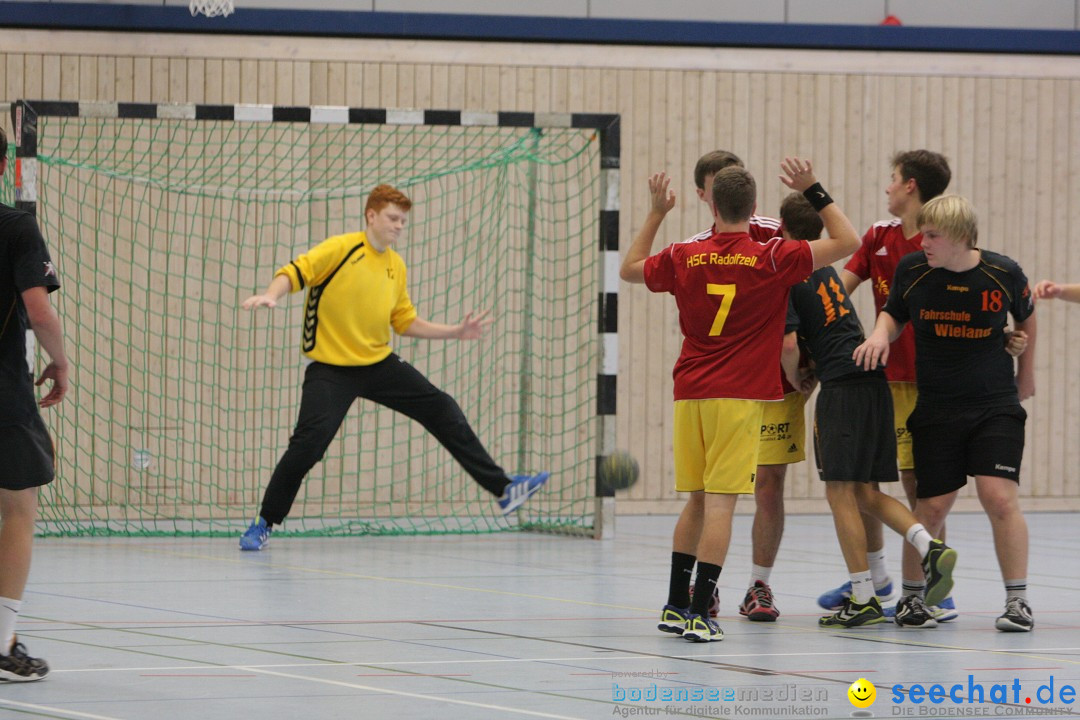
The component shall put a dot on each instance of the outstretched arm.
(662, 201)
(471, 328)
(46, 325)
(278, 288)
(1048, 290)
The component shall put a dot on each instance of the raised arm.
(46, 325)
(843, 240)
(662, 200)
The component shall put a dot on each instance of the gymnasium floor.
(515, 625)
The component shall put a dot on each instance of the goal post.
(162, 217)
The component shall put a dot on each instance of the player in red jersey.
(731, 292)
(783, 428)
(917, 177)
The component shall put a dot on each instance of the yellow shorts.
(904, 395)
(716, 445)
(783, 431)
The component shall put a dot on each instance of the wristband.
(817, 197)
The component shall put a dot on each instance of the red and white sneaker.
(758, 604)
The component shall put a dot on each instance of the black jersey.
(24, 264)
(959, 321)
(821, 313)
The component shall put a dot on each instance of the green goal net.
(182, 403)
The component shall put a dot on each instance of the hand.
(472, 328)
(58, 373)
(1025, 388)
(663, 199)
(1046, 290)
(257, 301)
(1016, 342)
(807, 382)
(799, 174)
(872, 353)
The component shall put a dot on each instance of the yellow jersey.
(354, 295)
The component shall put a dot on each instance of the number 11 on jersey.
(727, 294)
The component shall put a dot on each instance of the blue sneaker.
(256, 536)
(834, 599)
(673, 619)
(520, 489)
(945, 610)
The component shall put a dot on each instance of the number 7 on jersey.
(727, 295)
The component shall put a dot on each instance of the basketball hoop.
(212, 8)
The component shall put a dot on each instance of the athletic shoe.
(945, 610)
(834, 599)
(911, 611)
(702, 629)
(20, 667)
(1017, 617)
(256, 536)
(714, 601)
(855, 615)
(520, 489)
(938, 567)
(673, 619)
(758, 605)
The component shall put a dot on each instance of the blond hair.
(953, 215)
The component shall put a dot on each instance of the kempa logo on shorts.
(1006, 468)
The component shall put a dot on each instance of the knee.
(999, 506)
(769, 493)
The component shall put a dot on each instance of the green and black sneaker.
(853, 614)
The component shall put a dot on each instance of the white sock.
(9, 612)
(757, 572)
(917, 536)
(862, 587)
(1016, 588)
(878, 571)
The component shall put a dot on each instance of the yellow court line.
(406, 581)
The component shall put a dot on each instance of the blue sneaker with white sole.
(834, 599)
(520, 489)
(256, 536)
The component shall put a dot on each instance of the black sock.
(682, 567)
(707, 575)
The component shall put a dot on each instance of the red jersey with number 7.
(732, 294)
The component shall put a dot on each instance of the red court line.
(412, 675)
(815, 670)
(1016, 668)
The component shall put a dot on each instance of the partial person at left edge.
(27, 276)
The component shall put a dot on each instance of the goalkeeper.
(355, 293)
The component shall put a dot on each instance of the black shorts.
(27, 452)
(951, 443)
(854, 437)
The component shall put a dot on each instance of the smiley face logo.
(862, 693)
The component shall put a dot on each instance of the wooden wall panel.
(1010, 128)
